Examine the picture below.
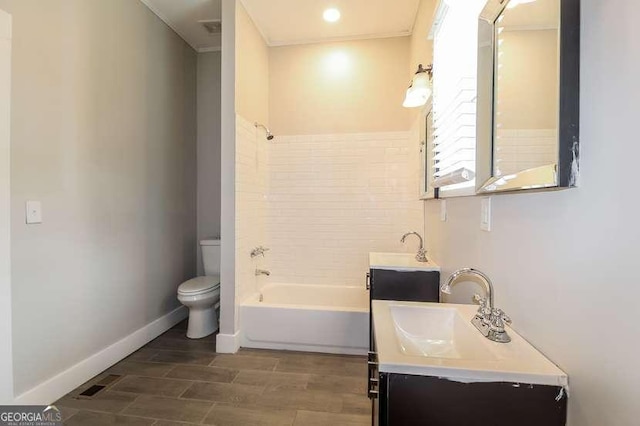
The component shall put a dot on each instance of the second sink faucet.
(421, 255)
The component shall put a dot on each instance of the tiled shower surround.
(325, 202)
(334, 198)
(251, 190)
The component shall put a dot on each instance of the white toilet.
(202, 294)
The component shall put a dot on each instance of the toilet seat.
(199, 285)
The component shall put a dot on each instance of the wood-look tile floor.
(177, 381)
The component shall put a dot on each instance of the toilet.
(202, 294)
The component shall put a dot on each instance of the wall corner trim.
(59, 385)
(228, 343)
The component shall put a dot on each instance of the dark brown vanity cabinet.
(406, 400)
(411, 286)
(413, 400)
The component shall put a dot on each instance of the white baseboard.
(54, 388)
(228, 343)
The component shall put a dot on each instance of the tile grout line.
(129, 405)
(295, 418)
(206, 415)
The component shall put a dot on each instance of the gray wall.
(208, 148)
(103, 133)
(563, 262)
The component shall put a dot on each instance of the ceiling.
(285, 22)
(183, 17)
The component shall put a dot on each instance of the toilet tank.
(211, 256)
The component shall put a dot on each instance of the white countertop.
(514, 362)
(400, 262)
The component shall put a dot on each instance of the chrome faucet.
(489, 320)
(421, 255)
(446, 288)
(258, 251)
(262, 272)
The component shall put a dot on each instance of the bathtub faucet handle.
(258, 251)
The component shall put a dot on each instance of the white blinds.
(454, 94)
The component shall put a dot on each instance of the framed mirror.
(528, 95)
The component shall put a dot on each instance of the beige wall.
(341, 87)
(563, 263)
(252, 70)
(421, 47)
(103, 133)
(208, 148)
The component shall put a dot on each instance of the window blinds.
(454, 94)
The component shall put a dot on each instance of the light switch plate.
(485, 214)
(443, 210)
(33, 212)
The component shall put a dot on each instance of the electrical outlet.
(485, 214)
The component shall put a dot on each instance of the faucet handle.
(499, 313)
(421, 255)
(258, 251)
(484, 309)
(498, 320)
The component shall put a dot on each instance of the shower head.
(266, 129)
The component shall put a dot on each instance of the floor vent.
(101, 385)
(92, 391)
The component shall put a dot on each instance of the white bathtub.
(312, 318)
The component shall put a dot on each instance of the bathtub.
(311, 318)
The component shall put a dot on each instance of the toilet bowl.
(202, 294)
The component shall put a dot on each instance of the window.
(455, 34)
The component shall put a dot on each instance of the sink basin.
(438, 340)
(436, 332)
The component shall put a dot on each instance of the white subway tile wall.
(332, 199)
(251, 190)
(518, 150)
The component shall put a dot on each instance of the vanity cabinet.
(463, 382)
(409, 400)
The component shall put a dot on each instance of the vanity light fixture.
(419, 90)
(331, 15)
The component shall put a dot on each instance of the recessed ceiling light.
(331, 15)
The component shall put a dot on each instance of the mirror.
(528, 59)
